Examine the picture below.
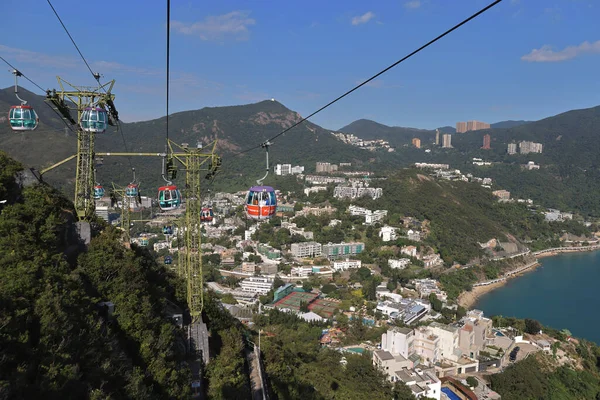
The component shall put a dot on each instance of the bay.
(561, 293)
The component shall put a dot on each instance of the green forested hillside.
(55, 341)
(396, 135)
(462, 214)
(237, 128)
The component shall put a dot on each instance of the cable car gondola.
(169, 197)
(94, 119)
(261, 202)
(132, 190)
(23, 117)
(168, 260)
(206, 215)
(98, 192)
(144, 241)
(167, 230)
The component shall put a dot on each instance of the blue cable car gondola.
(167, 230)
(144, 241)
(98, 192)
(132, 190)
(94, 119)
(169, 197)
(168, 260)
(23, 118)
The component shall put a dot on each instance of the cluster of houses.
(420, 356)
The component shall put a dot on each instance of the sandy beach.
(468, 299)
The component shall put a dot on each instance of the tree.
(532, 326)
(436, 303)
(307, 286)
(472, 381)
(304, 306)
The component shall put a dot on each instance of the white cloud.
(412, 4)
(363, 19)
(234, 25)
(31, 57)
(547, 54)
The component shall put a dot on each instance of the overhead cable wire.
(168, 60)
(455, 27)
(72, 40)
(60, 117)
(96, 77)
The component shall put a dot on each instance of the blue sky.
(524, 59)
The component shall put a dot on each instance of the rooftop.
(384, 355)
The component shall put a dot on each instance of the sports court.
(293, 300)
(323, 307)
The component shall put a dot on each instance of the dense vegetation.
(297, 367)
(55, 341)
(462, 215)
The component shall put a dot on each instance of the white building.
(375, 216)
(398, 341)
(347, 264)
(423, 383)
(257, 284)
(283, 169)
(306, 249)
(399, 264)
(302, 271)
(297, 170)
(314, 189)
(448, 344)
(388, 233)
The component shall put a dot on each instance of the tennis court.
(292, 301)
(323, 307)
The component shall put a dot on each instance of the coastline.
(468, 299)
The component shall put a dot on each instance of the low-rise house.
(347, 264)
(410, 251)
(388, 363)
(388, 234)
(544, 345)
(413, 235)
(399, 264)
(432, 260)
(257, 284)
(423, 383)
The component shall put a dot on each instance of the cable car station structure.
(198, 162)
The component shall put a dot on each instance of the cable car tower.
(91, 105)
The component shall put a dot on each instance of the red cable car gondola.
(206, 215)
(261, 202)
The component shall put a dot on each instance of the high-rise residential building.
(446, 140)
(530, 147)
(416, 142)
(437, 137)
(461, 127)
(476, 125)
(486, 142)
(512, 148)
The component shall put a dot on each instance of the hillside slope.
(396, 135)
(237, 128)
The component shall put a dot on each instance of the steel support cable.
(94, 74)
(60, 117)
(455, 27)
